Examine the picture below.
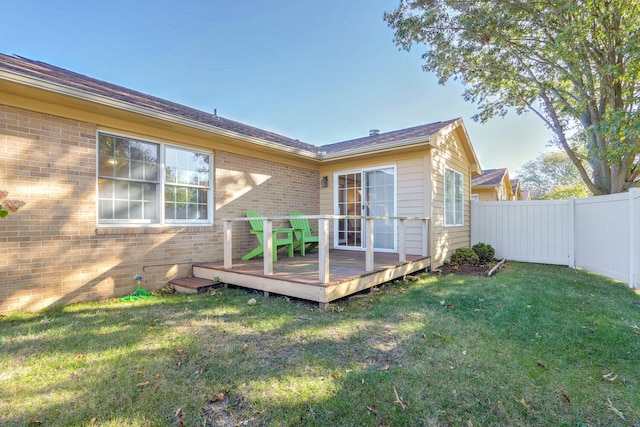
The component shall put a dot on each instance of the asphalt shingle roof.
(423, 131)
(489, 178)
(50, 73)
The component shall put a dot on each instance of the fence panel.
(600, 234)
(602, 237)
(535, 231)
(634, 250)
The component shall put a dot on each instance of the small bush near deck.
(465, 256)
(485, 252)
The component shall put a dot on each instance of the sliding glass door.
(369, 192)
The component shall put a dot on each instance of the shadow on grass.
(529, 346)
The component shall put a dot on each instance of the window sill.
(108, 231)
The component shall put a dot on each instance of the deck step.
(192, 285)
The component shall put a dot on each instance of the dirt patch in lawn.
(469, 269)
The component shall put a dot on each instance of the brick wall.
(51, 251)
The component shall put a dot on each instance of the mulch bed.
(468, 269)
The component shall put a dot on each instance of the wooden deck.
(298, 276)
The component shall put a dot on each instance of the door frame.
(336, 207)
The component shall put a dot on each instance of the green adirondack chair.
(281, 237)
(305, 239)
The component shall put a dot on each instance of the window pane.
(105, 189)
(192, 211)
(459, 199)
(106, 166)
(204, 196)
(181, 211)
(135, 191)
(127, 158)
(170, 210)
(107, 145)
(187, 167)
(137, 170)
(121, 209)
(105, 209)
(150, 171)
(453, 197)
(135, 210)
(150, 210)
(133, 194)
(203, 212)
(149, 192)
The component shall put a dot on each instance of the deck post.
(323, 250)
(228, 247)
(402, 237)
(368, 230)
(267, 228)
(426, 237)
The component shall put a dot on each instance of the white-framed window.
(152, 183)
(453, 198)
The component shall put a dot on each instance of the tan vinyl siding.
(413, 198)
(449, 154)
(413, 177)
(486, 195)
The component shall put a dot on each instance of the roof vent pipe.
(374, 132)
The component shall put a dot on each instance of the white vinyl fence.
(600, 234)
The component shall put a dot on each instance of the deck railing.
(323, 239)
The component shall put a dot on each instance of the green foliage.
(576, 65)
(465, 256)
(484, 251)
(563, 192)
(552, 176)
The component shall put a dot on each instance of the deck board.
(298, 276)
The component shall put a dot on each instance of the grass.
(535, 345)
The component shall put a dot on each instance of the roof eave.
(370, 150)
(122, 105)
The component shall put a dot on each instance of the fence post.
(634, 238)
(571, 232)
(474, 222)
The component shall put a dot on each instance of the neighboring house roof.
(490, 178)
(58, 80)
(515, 184)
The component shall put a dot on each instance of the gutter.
(149, 112)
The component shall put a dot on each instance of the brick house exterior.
(58, 250)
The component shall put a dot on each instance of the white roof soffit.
(110, 102)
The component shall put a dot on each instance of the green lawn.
(535, 345)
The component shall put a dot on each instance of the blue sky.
(319, 71)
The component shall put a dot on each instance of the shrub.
(485, 252)
(465, 256)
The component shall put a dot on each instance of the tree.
(552, 176)
(574, 63)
